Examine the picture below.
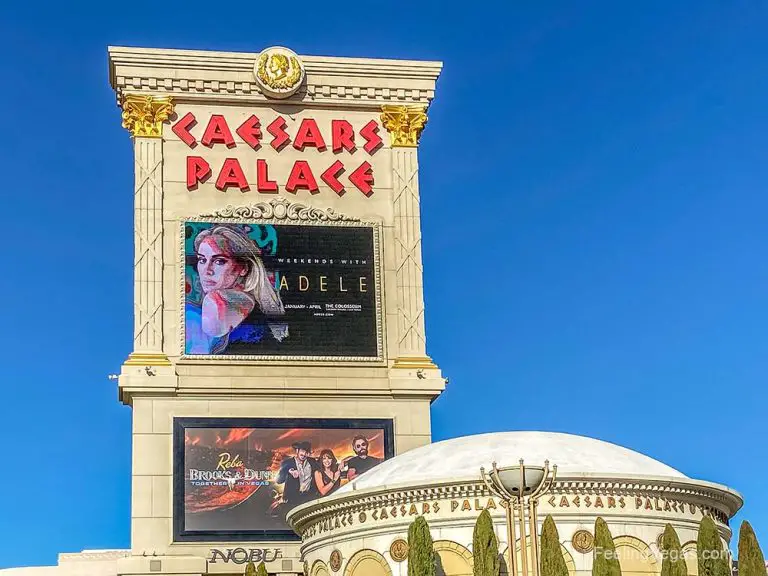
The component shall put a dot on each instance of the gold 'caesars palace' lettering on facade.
(639, 503)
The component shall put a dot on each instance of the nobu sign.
(242, 555)
(337, 139)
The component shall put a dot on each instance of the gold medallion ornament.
(279, 72)
(143, 115)
(398, 550)
(306, 568)
(583, 541)
(335, 561)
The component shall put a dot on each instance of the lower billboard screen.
(236, 479)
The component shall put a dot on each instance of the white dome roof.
(463, 457)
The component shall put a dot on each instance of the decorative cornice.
(404, 124)
(712, 496)
(192, 75)
(95, 555)
(414, 363)
(278, 209)
(147, 359)
(143, 115)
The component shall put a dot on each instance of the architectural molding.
(143, 114)
(717, 501)
(277, 209)
(404, 124)
(143, 359)
(192, 75)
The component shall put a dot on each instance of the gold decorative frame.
(398, 550)
(583, 541)
(284, 211)
(335, 560)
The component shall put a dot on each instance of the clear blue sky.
(594, 196)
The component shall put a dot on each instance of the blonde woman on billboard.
(235, 287)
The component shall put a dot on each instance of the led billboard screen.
(274, 290)
(238, 478)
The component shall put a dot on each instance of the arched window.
(453, 559)
(319, 569)
(635, 557)
(367, 563)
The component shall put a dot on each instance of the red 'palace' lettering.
(230, 174)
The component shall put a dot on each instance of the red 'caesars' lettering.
(371, 135)
(181, 129)
(250, 132)
(363, 178)
(301, 177)
(263, 183)
(277, 129)
(343, 136)
(217, 132)
(331, 175)
(198, 170)
(231, 175)
(307, 135)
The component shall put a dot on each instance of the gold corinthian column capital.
(404, 124)
(143, 115)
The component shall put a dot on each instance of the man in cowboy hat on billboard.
(296, 475)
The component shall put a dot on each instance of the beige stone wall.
(156, 380)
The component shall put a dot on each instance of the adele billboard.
(236, 478)
(262, 291)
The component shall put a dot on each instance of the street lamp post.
(521, 487)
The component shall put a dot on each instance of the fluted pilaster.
(144, 116)
(405, 124)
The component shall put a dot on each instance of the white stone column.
(143, 116)
(405, 124)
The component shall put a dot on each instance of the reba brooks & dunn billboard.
(273, 290)
(236, 478)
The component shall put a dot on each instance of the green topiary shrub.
(552, 561)
(485, 547)
(751, 560)
(672, 561)
(421, 555)
(605, 562)
(250, 569)
(710, 554)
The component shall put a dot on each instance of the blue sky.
(593, 182)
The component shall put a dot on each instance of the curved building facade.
(361, 529)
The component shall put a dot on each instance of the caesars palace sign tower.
(279, 347)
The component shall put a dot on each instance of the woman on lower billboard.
(238, 298)
(328, 476)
